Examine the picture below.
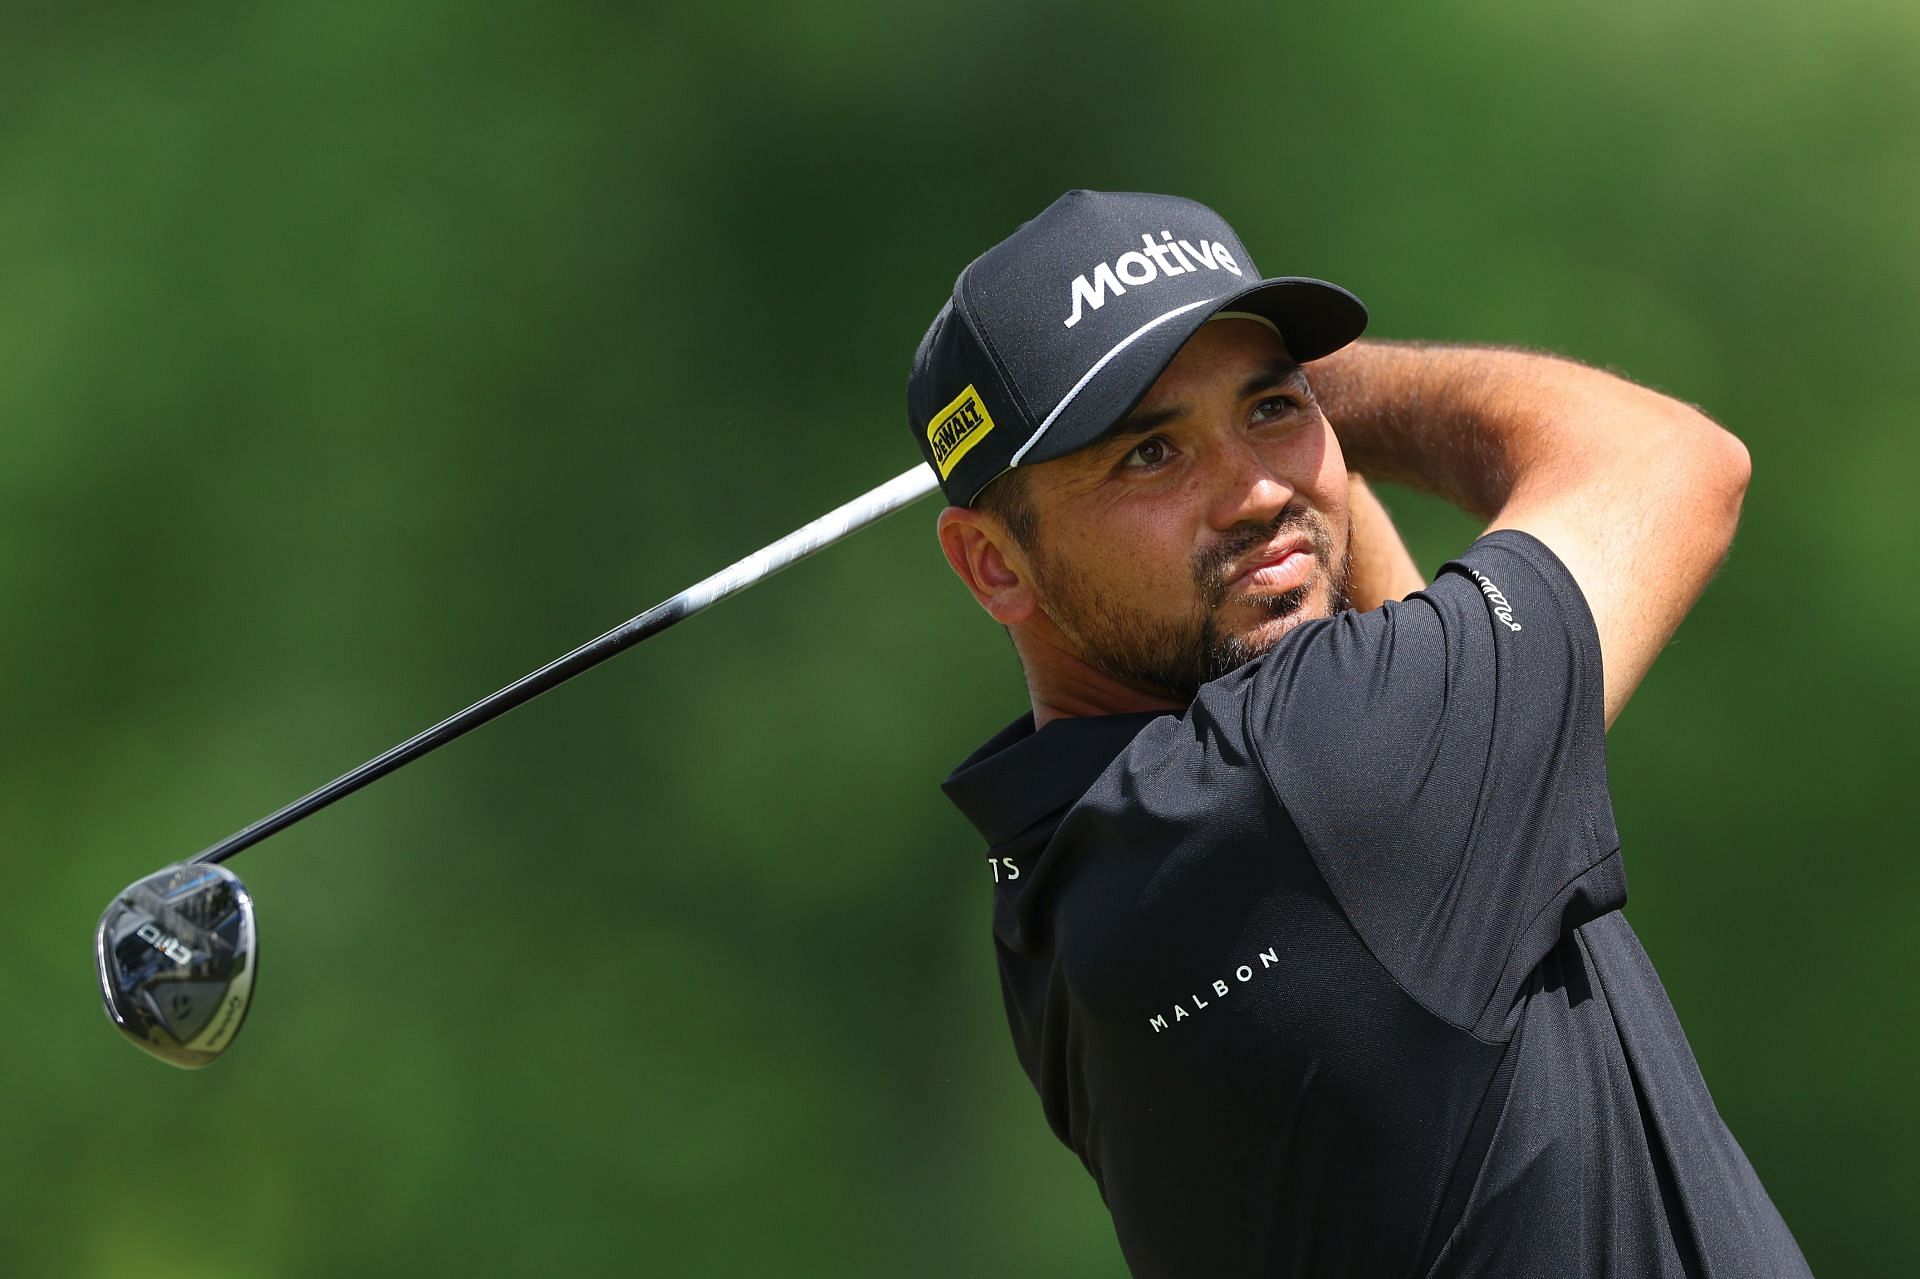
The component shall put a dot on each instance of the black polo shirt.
(1327, 974)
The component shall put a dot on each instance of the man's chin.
(1264, 635)
(1265, 610)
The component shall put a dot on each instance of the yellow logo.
(957, 428)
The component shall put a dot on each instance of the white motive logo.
(1155, 259)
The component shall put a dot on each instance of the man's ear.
(986, 559)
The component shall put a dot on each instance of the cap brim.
(1314, 318)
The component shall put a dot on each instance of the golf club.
(177, 951)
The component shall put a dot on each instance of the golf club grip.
(902, 490)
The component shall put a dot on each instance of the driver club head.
(177, 954)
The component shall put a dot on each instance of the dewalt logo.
(957, 428)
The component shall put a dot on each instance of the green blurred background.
(356, 358)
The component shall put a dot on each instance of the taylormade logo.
(1154, 260)
(1501, 609)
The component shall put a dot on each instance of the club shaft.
(902, 490)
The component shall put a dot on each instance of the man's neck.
(1062, 686)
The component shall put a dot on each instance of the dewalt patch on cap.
(957, 428)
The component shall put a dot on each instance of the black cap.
(1053, 335)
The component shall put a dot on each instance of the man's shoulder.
(1332, 674)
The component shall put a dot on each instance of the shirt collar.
(1020, 776)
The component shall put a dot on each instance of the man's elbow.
(1731, 467)
(1718, 469)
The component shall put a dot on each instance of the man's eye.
(1274, 406)
(1150, 453)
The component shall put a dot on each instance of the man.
(1307, 886)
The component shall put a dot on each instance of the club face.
(176, 954)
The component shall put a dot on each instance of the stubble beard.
(1175, 656)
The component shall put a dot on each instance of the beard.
(1177, 655)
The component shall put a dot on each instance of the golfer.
(1306, 882)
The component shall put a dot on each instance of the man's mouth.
(1281, 568)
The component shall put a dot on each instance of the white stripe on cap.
(1099, 364)
(1247, 315)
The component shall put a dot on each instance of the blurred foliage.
(356, 358)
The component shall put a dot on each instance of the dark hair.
(1006, 499)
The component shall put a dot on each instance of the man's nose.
(1247, 487)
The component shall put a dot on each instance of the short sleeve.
(1444, 759)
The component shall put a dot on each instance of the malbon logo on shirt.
(1219, 988)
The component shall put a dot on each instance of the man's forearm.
(1469, 423)
(1382, 569)
(1637, 495)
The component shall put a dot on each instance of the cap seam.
(1000, 370)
